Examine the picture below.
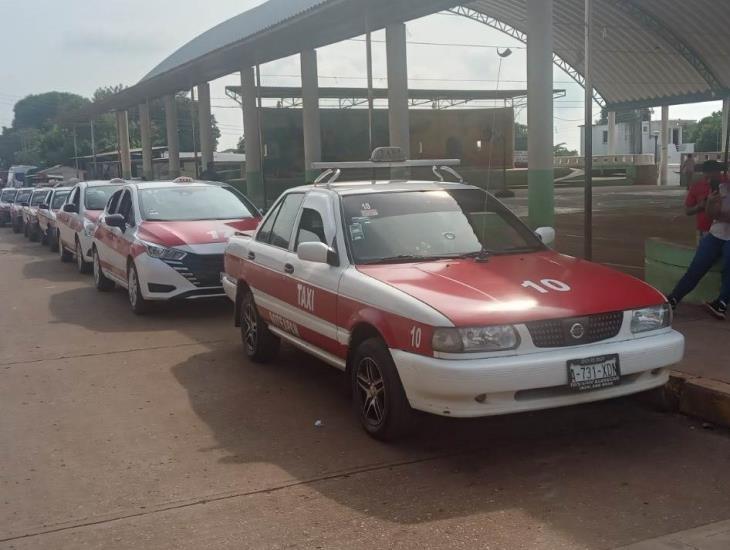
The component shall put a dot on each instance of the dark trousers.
(708, 252)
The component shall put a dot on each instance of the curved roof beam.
(654, 25)
(494, 23)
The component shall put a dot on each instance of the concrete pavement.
(126, 432)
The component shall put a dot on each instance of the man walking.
(696, 201)
(712, 247)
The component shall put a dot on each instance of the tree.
(707, 134)
(520, 137)
(38, 111)
(560, 150)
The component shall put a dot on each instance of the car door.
(105, 236)
(317, 284)
(270, 270)
(124, 239)
(67, 220)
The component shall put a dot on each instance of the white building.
(629, 141)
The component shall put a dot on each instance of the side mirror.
(317, 252)
(24, 204)
(71, 208)
(546, 235)
(43, 206)
(115, 220)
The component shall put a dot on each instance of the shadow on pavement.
(581, 469)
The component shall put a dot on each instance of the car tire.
(34, 235)
(139, 305)
(25, 231)
(82, 265)
(16, 227)
(101, 281)
(43, 237)
(64, 255)
(378, 397)
(260, 345)
(53, 241)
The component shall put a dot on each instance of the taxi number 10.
(546, 285)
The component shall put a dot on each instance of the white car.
(165, 240)
(76, 221)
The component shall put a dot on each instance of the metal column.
(205, 126)
(611, 132)
(397, 58)
(588, 145)
(664, 136)
(252, 138)
(123, 135)
(145, 130)
(310, 113)
(540, 112)
(173, 138)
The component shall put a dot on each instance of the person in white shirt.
(713, 246)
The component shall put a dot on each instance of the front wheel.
(139, 305)
(53, 240)
(101, 281)
(379, 399)
(259, 343)
(82, 265)
(34, 234)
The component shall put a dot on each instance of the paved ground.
(126, 432)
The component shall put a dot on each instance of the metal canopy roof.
(646, 52)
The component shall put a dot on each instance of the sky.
(74, 46)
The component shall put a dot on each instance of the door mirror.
(115, 220)
(317, 252)
(24, 204)
(43, 206)
(71, 208)
(546, 235)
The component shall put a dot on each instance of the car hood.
(193, 232)
(470, 293)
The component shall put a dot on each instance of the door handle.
(251, 256)
(288, 268)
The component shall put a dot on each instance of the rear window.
(8, 194)
(38, 198)
(97, 197)
(23, 195)
(59, 197)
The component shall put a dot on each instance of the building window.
(605, 136)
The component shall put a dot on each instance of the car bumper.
(510, 384)
(154, 274)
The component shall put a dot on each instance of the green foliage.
(38, 138)
(706, 134)
(560, 150)
(520, 137)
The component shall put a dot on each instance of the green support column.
(252, 136)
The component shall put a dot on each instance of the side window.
(76, 197)
(281, 233)
(311, 228)
(125, 207)
(264, 235)
(111, 206)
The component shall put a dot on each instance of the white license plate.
(594, 373)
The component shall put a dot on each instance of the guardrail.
(606, 161)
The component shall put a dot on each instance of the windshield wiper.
(480, 255)
(404, 258)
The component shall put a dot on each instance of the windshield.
(97, 197)
(192, 203)
(8, 195)
(419, 225)
(38, 198)
(59, 197)
(23, 196)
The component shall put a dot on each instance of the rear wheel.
(379, 399)
(259, 343)
(16, 226)
(53, 240)
(26, 234)
(139, 305)
(82, 265)
(34, 234)
(64, 255)
(43, 236)
(101, 282)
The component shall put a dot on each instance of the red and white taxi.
(76, 221)
(30, 213)
(165, 240)
(22, 199)
(47, 214)
(7, 198)
(434, 296)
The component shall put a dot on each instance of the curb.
(702, 398)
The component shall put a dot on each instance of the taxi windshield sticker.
(356, 232)
(368, 211)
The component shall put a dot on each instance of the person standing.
(687, 171)
(696, 200)
(713, 246)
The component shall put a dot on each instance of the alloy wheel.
(250, 327)
(132, 287)
(371, 386)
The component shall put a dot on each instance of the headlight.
(89, 227)
(651, 318)
(475, 339)
(163, 253)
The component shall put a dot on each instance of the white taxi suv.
(76, 221)
(165, 240)
(433, 296)
(47, 214)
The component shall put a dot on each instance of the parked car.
(47, 216)
(7, 197)
(76, 220)
(16, 209)
(165, 240)
(31, 228)
(433, 296)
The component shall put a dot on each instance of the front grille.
(575, 331)
(202, 270)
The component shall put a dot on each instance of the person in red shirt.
(696, 199)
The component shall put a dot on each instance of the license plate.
(594, 373)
